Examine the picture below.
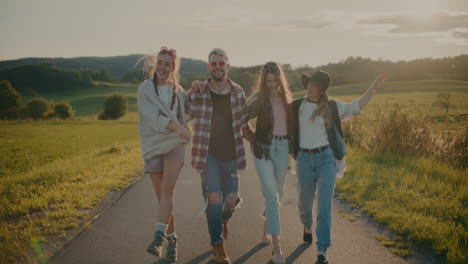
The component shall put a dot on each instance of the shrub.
(63, 110)
(37, 108)
(10, 101)
(115, 106)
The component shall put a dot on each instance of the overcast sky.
(252, 31)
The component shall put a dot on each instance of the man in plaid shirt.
(218, 113)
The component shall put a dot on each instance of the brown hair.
(262, 90)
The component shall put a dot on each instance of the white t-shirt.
(314, 134)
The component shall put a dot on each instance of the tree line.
(358, 70)
(46, 77)
(33, 79)
(12, 107)
(349, 70)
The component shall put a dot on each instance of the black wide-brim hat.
(321, 78)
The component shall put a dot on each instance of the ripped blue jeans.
(219, 177)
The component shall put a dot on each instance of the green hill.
(37, 78)
(118, 66)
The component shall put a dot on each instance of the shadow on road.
(251, 252)
(296, 253)
(196, 260)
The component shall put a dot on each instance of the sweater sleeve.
(348, 110)
(149, 117)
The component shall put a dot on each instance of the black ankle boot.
(307, 237)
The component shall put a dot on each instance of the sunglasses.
(173, 51)
(214, 63)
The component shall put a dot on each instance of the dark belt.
(314, 150)
(280, 137)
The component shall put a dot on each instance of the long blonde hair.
(262, 90)
(322, 110)
(149, 68)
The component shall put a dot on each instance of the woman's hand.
(379, 80)
(183, 132)
(198, 86)
(382, 77)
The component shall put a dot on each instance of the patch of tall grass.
(404, 132)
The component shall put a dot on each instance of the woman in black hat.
(318, 147)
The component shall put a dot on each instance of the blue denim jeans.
(272, 174)
(219, 177)
(317, 171)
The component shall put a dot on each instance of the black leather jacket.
(264, 126)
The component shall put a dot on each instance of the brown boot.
(219, 254)
(225, 230)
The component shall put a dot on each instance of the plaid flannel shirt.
(200, 108)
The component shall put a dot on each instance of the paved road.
(121, 234)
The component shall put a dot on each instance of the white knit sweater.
(152, 124)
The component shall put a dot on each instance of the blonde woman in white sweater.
(163, 133)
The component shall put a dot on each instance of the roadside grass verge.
(421, 199)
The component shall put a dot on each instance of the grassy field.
(401, 87)
(53, 173)
(419, 95)
(416, 96)
(88, 101)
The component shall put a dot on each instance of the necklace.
(219, 91)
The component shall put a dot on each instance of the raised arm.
(372, 89)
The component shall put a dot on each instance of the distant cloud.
(460, 34)
(457, 5)
(229, 21)
(440, 22)
(296, 24)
